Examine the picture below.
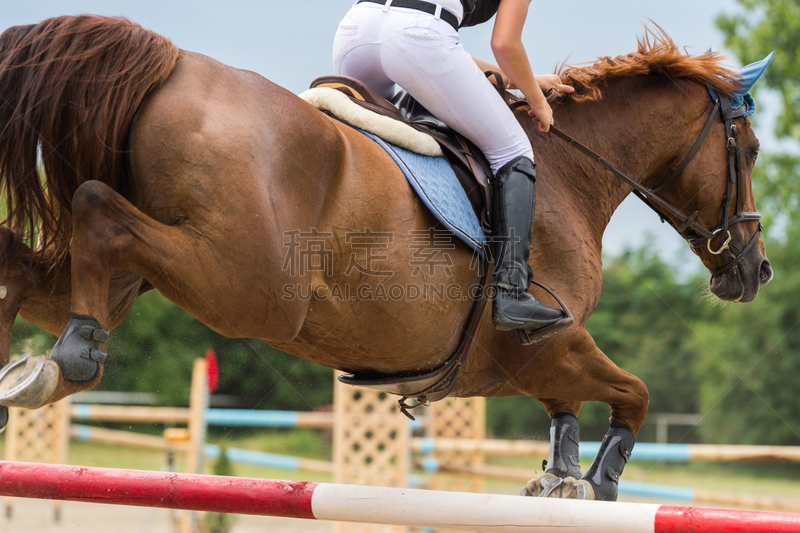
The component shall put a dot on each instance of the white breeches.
(423, 54)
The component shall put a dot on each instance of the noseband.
(668, 212)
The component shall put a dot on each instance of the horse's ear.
(752, 72)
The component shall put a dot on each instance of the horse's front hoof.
(28, 382)
(552, 486)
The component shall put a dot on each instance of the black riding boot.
(512, 227)
(606, 468)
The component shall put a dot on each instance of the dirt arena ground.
(36, 516)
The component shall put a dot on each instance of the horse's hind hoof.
(552, 486)
(28, 382)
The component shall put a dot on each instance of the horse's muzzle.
(742, 283)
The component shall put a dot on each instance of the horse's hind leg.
(110, 234)
(226, 271)
(77, 359)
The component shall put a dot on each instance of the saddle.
(467, 161)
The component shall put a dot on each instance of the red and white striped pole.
(379, 505)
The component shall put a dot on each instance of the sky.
(289, 42)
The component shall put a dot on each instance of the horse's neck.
(641, 132)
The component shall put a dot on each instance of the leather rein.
(667, 212)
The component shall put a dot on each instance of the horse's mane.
(69, 89)
(656, 54)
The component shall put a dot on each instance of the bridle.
(669, 213)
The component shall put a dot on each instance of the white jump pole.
(377, 505)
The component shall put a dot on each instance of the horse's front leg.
(585, 373)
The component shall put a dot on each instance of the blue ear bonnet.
(750, 75)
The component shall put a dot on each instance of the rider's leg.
(512, 225)
(424, 56)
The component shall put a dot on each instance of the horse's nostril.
(765, 273)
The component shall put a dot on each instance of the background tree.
(751, 359)
(759, 28)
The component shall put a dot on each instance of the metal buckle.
(724, 245)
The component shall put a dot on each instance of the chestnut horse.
(264, 218)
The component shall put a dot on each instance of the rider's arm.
(513, 59)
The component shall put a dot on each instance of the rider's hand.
(547, 81)
(542, 113)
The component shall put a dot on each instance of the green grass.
(304, 442)
(111, 456)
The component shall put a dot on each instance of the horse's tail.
(69, 89)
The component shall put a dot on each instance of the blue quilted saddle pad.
(439, 189)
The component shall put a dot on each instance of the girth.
(429, 386)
